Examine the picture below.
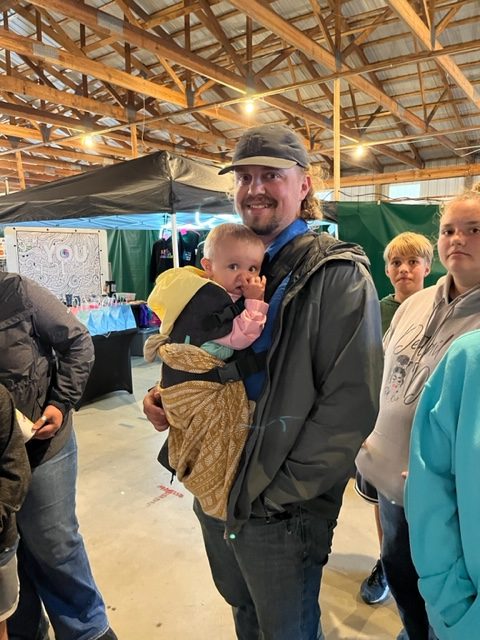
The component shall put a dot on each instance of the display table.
(140, 339)
(112, 370)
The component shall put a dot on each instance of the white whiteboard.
(66, 261)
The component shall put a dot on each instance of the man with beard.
(316, 388)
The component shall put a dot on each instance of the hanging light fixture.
(89, 141)
(249, 106)
(359, 151)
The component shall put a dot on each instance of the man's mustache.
(249, 202)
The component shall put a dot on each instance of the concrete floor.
(146, 549)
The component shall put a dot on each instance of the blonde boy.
(408, 260)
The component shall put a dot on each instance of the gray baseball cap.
(271, 145)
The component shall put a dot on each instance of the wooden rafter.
(421, 31)
(433, 173)
(292, 35)
(210, 22)
(173, 79)
(168, 48)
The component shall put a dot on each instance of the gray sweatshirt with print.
(421, 331)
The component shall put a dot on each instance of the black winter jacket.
(45, 356)
(14, 470)
(320, 399)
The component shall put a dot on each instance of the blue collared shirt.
(254, 383)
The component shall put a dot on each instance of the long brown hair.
(311, 208)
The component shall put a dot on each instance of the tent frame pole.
(176, 258)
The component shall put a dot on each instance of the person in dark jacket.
(316, 399)
(14, 478)
(46, 359)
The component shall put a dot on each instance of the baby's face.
(233, 263)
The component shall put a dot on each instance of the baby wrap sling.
(208, 414)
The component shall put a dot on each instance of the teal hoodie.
(441, 496)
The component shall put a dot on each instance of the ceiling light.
(359, 151)
(89, 141)
(249, 106)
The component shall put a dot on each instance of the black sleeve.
(14, 466)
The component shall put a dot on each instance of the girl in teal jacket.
(442, 505)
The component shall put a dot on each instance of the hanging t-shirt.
(187, 245)
(162, 257)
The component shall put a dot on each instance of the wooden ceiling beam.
(405, 11)
(56, 33)
(210, 22)
(41, 167)
(430, 173)
(69, 141)
(100, 43)
(171, 13)
(103, 149)
(57, 120)
(270, 66)
(21, 86)
(20, 172)
(56, 152)
(378, 65)
(355, 28)
(294, 36)
(323, 25)
(128, 13)
(138, 64)
(13, 182)
(107, 23)
(405, 139)
(50, 27)
(30, 162)
(452, 105)
(139, 85)
(417, 160)
(403, 158)
(363, 36)
(288, 107)
(447, 18)
(401, 33)
(399, 61)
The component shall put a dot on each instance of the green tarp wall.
(373, 225)
(129, 254)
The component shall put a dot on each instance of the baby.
(206, 317)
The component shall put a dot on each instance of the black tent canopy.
(158, 182)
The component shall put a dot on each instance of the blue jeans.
(270, 573)
(401, 574)
(52, 560)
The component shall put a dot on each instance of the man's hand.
(152, 408)
(254, 287)
(48, 424)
